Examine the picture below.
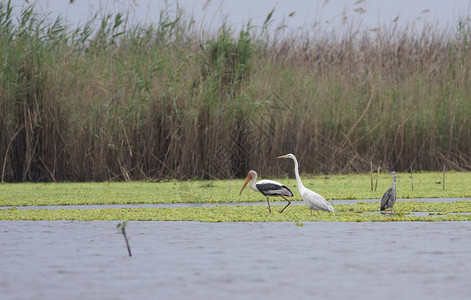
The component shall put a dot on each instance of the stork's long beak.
(245, 183)
(282, 156)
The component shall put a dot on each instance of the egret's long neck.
(394, 183)
(296, 172)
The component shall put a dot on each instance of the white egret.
(312, 199)
(389, 197)
(267, 188)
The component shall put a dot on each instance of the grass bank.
(133, 102)
(339, 187)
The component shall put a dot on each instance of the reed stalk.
(133, 102)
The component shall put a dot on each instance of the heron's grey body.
(389, 198)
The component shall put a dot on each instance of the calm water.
(191, 260)
(272, 202)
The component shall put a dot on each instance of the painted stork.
(267, 188)
(312, 199)
(389, 197)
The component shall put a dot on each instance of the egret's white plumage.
(312, 199)
(267, 188)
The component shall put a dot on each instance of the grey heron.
(389, 197)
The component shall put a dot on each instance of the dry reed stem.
(168, 102)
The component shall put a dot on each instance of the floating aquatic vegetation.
(363, 212)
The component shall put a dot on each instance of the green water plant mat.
(340, 187)
(361, 212)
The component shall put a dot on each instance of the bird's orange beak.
(282, 156)
(245, 183)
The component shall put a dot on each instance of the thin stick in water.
(371, 174)
(122, 225)
(377, 178)
(444, 170)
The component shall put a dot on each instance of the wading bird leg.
(289, 202)
(268, 201)
(316, 210)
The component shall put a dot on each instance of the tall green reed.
(126, 102)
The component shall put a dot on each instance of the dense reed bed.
(124, 101)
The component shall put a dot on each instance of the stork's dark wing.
(269, 188)
(273, 188)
